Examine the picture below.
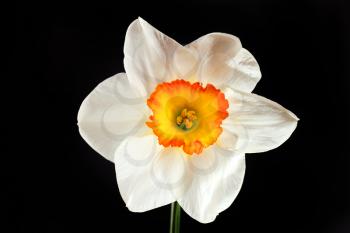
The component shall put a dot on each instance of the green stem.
(175, 218)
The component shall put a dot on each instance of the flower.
(179, 122)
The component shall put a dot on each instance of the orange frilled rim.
(168, 101)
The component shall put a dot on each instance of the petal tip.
(293, 116)
(131, 209)
(207, 220)
(141, 21)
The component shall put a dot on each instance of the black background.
(57, 53)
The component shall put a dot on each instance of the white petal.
(246, 71)
(225, 62)
(227, 140)
(260, 124)
(110, 113)
(216, 179)
(169, 170)
(185, 63)
(147, 173)
(148, 53)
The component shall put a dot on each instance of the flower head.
(179, 122)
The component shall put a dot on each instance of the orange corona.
(187, 115)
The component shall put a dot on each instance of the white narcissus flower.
(178, 123)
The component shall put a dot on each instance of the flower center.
(187, 115)
(186, 119)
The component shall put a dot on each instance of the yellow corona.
(187, 115)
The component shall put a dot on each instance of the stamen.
(179, 120)
(186, 118)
